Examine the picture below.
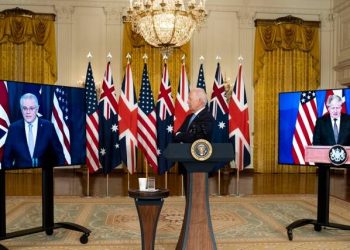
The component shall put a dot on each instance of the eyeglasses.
(31, 109)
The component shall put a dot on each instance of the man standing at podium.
(199, 123)
(334, 127)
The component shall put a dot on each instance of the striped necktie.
(30, 139)
(335, 131)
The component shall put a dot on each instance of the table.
(148, 205)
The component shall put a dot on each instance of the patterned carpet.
(248, 222)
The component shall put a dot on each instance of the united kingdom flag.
(239, 122)
(128, 121)
(181, 105)
(4, 116)
(338, 92)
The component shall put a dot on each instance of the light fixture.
(166, 23)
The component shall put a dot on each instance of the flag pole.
(182, 185)
(87, 182)
(219, 182)
(166, 180)
(237, 177)
(128, 180)
(146, 164)
(107, 188)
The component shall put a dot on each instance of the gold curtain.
(137, 47)
(287, 54)
(27, 46)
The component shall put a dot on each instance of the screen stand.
(322, 206)
(47, 212)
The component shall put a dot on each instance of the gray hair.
(333, 98)
(29, 96)
(201, 95)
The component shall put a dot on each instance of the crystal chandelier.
(165, 23)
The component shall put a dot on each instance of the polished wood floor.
(75, 182)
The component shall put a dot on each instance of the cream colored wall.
(96, 26)
(342, 41)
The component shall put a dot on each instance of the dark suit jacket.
(47, 152)
(200, 128)
(323, 133)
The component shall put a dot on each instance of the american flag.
(146, 122)
(60, 120)
(165, 121)
(4, 116)
(304, 126)
(239, 122)
(201, 80)
(92, 161)
(128, 121)
(109, 149)
(219, 110)
(181, 105)
(338, 92)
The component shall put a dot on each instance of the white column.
(327, 60)
(64, 43)
(114, 39)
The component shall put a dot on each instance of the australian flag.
(219, 110)
(109, 150)
(165, 121)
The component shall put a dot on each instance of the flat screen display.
(41, 125)
(298, 112)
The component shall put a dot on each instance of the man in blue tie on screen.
(334, 127)
(32, 141)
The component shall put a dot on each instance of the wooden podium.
(320, 155)
(197, 231)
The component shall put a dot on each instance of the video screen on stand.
(298, 112)
(41, 125)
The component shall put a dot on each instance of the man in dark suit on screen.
(32, 141)
(334, 127)
(199, 123)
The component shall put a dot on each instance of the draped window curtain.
(287, 55)
(136, 46)
(27, 46)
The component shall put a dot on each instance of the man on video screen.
(32, 141)
(333, 128)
